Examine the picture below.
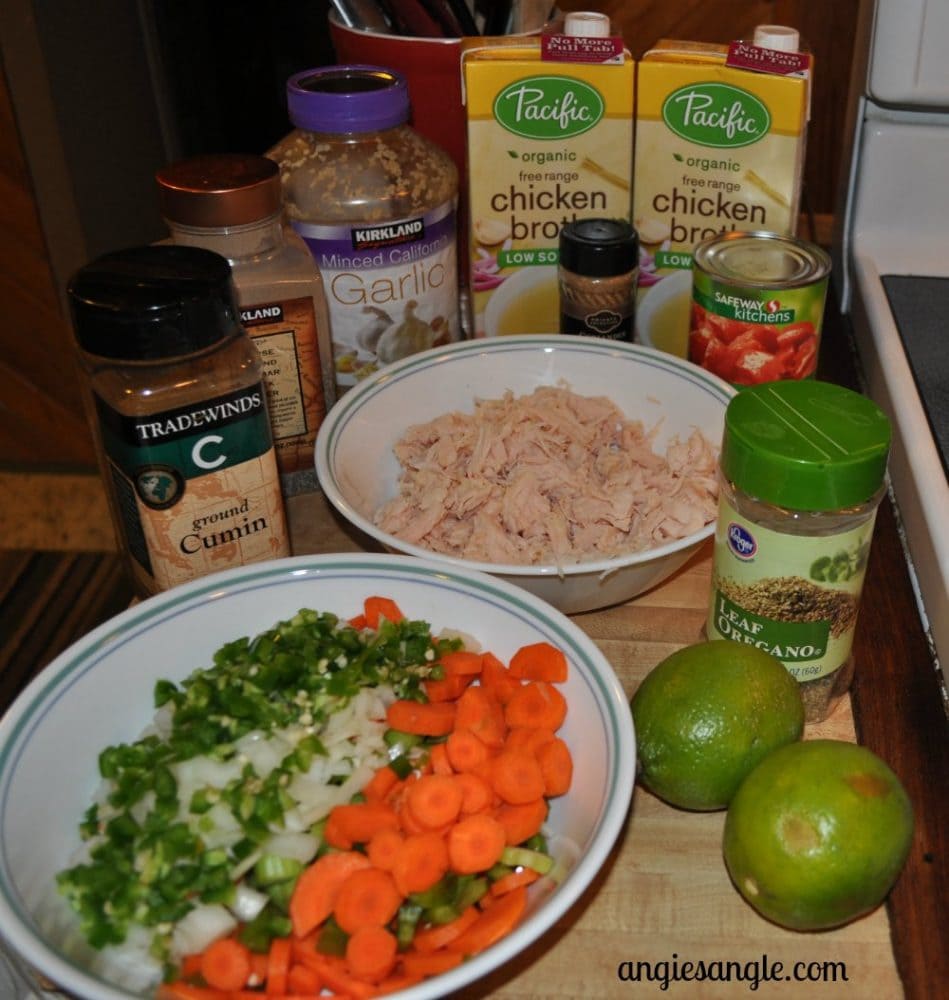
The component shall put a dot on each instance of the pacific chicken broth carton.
(720, 140)
(550, 136)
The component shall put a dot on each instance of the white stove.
(892, 262)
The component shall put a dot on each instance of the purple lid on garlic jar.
(347, 99)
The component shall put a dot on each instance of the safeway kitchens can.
(757, 306)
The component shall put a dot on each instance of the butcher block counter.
(664, 898)
(663, 902)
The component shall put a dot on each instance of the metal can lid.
(806, 445)
(153, 303)
(762, 260)
(599, 248)
(219, 190)
(345, 99)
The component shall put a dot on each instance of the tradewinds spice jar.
(598, 271)
(376, 202)
(801, 475)
(178, 409)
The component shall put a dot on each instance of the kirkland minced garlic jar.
(801, 473)
(376, 202)
(178, 408)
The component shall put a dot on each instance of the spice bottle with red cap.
(232, 204)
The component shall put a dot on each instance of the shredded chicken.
(548, 478)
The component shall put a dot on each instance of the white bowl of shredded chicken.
(235, 633)
(580, 469)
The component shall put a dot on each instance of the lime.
(817, 834)
(706, 715)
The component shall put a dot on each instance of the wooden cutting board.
(664, 898)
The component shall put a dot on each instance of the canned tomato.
(757, 306)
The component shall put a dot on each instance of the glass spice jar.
(801, 474)
(231, 203)
(178, 409)
(376, 202)
(598, 272)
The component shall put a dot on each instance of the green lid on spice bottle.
(805, 444)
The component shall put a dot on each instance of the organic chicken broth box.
(719, 147)
(548, 142)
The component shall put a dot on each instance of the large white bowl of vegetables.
(180, 776)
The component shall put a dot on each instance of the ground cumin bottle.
(179, 412)
(801, 474)
(231, 203)
(376, 202)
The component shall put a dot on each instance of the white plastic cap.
(777, 36)
(587, 24)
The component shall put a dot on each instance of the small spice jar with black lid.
(801, 474)
(178, 409)
(598, 272)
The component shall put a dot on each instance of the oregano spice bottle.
(801, 474)
(178, 409)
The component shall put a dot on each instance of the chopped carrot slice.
(191, 966)
(225, 964)
(380, 784)
(422, 719)
(368, 898)
(477, 793)
(465, 749)
(431, 963)
(377, 608)
(438, 936)
(496, 678)
(517, 777)
(499, 918)
(446, 689)
(397, 981)
(438, 758)
(461, 663)
(334, 974)
(475, 844)
(434, 800)
(556, 765)
(536, 704)
(521, 822)
(528, 738)
(522, 876)
(303, 980)
(483, 714)
(356, 822)
(422, 861)
(383, 848)
(314, 895)
(278, 966)
(371, 953)
(539, 661)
